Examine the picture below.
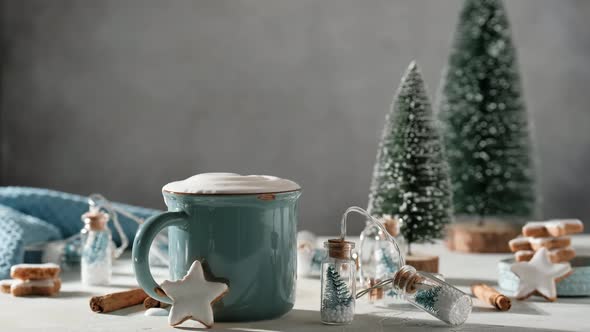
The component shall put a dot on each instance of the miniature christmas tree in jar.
(378, 258)
(338, 283)
(421, 289)
(433, 295)
(97, 249)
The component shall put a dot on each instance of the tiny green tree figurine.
(482, 110)
(337, 292)
(410, 179)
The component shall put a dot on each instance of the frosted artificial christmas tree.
(337, 292)
(410, 179)
(337, 298)
(486, 127)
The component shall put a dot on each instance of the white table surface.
(69, 311)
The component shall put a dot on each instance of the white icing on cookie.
(193, 296)
(541, 240)
(539, 275)
(156, 312)
(562, 222)
(34, 283)
(231, 183)
(534, 225)
(519, 240)
(523, 253)
(34, 266)
(6, 282)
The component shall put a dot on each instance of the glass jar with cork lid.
(97, 249)
(432, 295)
(423, 290)
(338, 283)
(378, 259)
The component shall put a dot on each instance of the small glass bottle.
(338, 283)
(433, 295)
(378, 257)
(97, 249)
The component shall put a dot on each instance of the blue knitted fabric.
(64, 210)
(18, 230)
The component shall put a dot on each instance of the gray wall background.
(121, 97)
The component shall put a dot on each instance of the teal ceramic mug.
(249, 240)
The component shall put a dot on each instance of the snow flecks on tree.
(337, 292)
(428, 299)
(485, 122)
(410, 179)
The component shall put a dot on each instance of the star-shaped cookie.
(539, 275)
(193, 296)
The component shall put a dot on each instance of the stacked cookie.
(552, 235)
(32, 279)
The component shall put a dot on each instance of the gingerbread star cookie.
(193, 296)
(539, 275)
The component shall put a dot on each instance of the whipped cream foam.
(231, 183)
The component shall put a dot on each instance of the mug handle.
(141, 249)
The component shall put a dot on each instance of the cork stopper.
(391, 225)
(339, 248)
(407, 279)
(95, 220)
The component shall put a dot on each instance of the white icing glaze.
(6, 282)
(558, 223)
(534, 225)
(156, 312)
(539, 274)
(540, 240)
(192, 296)
(519, 240)
(562, 222)
(523, 253)
(34, 283)
(35, 266)
(231, 183)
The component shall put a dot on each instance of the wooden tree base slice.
(423, 263)
(491, 237)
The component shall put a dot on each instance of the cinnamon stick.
(153, 303)
(116, 301)
(491, 296)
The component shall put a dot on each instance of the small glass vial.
(378, 258)
(433, 295)
(97, 250)
(338, 283)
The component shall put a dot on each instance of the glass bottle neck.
(407, 280)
